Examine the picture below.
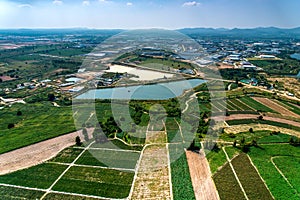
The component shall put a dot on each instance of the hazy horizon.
(140, 14)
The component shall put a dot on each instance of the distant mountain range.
(261, 32)
(253, 32)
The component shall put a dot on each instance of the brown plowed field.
(37, 153)
(203, 184)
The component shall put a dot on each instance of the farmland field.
(261, 157)
(227, 185)
(249, 178)
(181, 179)
(37, 176)
(46, 120)
(9, 193)
(100, 182)
(255, 104)
(111, 158)
(290, 167)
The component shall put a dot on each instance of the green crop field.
(55, 196)
(181, 180)
(290, 167)
(40, 176)
(67, 155)
(261, 157)
(256, 105)
(92, 181)
(9, 193)
(117, 144)
(227, 186)
(110, 158)
(39, 121)
(249, 178)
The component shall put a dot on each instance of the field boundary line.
(23, 187)
(84, 195)
(136, 171)
(283, 176)
(108, 149)
(259, 175)
(235, 175)
(64, 172)
(94, 166)
(170, 175)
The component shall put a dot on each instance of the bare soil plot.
(152, 181)
(203, 184)
(37, 153)
(275, 106)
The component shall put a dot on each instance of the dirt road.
(37, 153)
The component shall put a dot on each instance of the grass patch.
(216, 160)
(115, 144)
(249, 178)
(40, 176)
(255, 121)
(100, 182)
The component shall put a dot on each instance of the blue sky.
(132, 14)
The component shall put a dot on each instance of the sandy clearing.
(203, 184)
(37, 153)
(275, 106)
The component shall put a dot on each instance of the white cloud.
(86, 3)
(24, 6)
(129, 4)
(57, 2)
(191, 4)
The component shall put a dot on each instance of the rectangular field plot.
(9, 193)
(67, 155)
(227, 186)
(261, 157)
(239, 105)
(40, 176)
(99, 182)
(250, 179)
(109, 158)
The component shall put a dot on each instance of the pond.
(159, 91)
(295, 56)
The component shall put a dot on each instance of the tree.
(85, 134)
(234, 143)
(78, 141)
(51, 97)
(251, 130)
(19, 113)
(10, 125)
(260, 117)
